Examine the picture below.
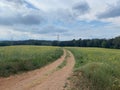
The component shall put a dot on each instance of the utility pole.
(11, 38)
(58, 37)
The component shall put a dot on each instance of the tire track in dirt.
(46, 78)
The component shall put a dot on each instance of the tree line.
(104, 43)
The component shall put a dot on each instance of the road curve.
(46, 78)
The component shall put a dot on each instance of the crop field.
(96, 69)
(17, 59)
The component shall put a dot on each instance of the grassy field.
(96, 69)
(17, 59)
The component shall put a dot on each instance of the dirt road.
(49, 77)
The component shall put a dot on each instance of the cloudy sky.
(45, 19)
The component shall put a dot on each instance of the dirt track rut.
(46, 78)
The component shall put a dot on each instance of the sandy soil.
(46, 78)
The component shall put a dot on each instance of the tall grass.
(96, 69)
(16, 59)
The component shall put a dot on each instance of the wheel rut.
(50, 77)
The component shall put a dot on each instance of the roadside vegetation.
(96, 69)
(17, 59)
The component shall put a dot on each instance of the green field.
(17, 59)
(96, 69)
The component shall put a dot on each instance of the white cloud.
(43, 19)
(52, 5)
